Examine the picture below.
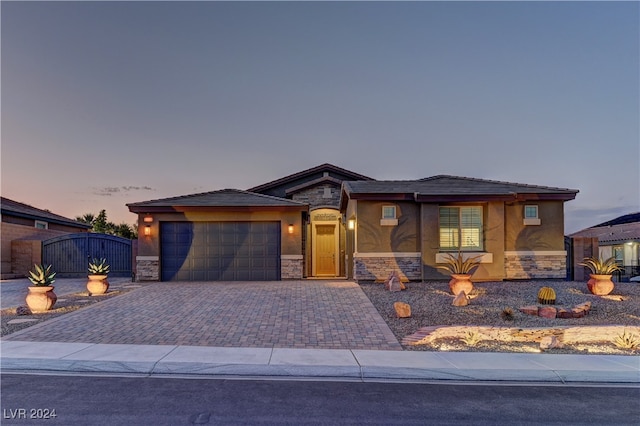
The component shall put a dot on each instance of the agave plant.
(598, 266)
(42, 275)
(458, 265)
(98, 267)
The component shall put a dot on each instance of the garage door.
(220, 251)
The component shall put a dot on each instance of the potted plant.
(600, 282)
(461, 270)
(41, 297)
(98, 271)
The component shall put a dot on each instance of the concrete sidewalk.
(342, 364)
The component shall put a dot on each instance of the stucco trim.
(291, 256)
(390, 254)
(536, 253)
(483, 257)
(151, 258)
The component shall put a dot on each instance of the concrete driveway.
(283, 314)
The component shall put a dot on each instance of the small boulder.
(549, 342)
(529, 310)
(563, 313)
(547, 312)
(461, 299)
(395, 285)
(394, 276)
(403, 310)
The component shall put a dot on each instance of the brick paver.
(286, 314)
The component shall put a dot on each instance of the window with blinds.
(461, 228)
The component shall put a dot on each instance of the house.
(411, 226)
(330, 222)
(22, 229)
(618, 238)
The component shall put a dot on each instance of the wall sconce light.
(148, 219)
(147, 230)
(290, 228)
(351, 224)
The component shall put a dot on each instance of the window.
(41, 224)
(388, 216)
(388, 212)
(530, 212)
(461, 228)
(531, 215)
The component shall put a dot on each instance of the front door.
(325, 250)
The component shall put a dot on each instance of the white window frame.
(41, 224)
(531, 220)
(388, 220)
(459, 231)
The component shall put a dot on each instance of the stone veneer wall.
(379, 268)
(147, 269)
(291, 269)
(528, 265)
(315, 196)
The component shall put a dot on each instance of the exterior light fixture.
(148, 219)
(351, 224)
(147, 230)
(290, 228)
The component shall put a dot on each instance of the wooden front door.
(325, 250)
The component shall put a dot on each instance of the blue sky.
(115, 102)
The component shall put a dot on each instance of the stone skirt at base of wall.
(538, 264)
(377, 267)
(147, 268)
(291, 267)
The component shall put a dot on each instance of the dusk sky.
(108, 103)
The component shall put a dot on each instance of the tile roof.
(445, 185)
(221, 198)
(612, 234)
(15, 208)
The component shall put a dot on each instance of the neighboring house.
(22, 228)
(330, 222)
(410, 226)
(619, 238)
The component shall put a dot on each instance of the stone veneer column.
(147, 268)
(291, 266)
(535, 264)
(378, 266)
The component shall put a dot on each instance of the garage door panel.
(229, 251)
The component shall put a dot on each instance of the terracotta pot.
(460, 282)
(97, 284)
(600, 284)
(41, 298)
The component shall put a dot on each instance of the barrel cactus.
(547, 296)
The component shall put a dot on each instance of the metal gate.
(70, 254)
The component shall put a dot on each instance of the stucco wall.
(372, 237)
(548, 236)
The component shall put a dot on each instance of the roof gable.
(17, 209)
(300, 180)
(225, 198)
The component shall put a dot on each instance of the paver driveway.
(283, 314)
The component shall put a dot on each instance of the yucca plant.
(98, 267)
(458, 265)
(626, 341)
(42, 276)
(598, 266)
(471, 338)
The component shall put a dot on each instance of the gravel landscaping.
(431, 306)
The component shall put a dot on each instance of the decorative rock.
(394, 276)
(403, 310)
(578, 312)
(395, 285)
(550, 342)
(586, 306)
(461, 299)
(529, 310)
(22, 310)
(563, 313)
(547, 312)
